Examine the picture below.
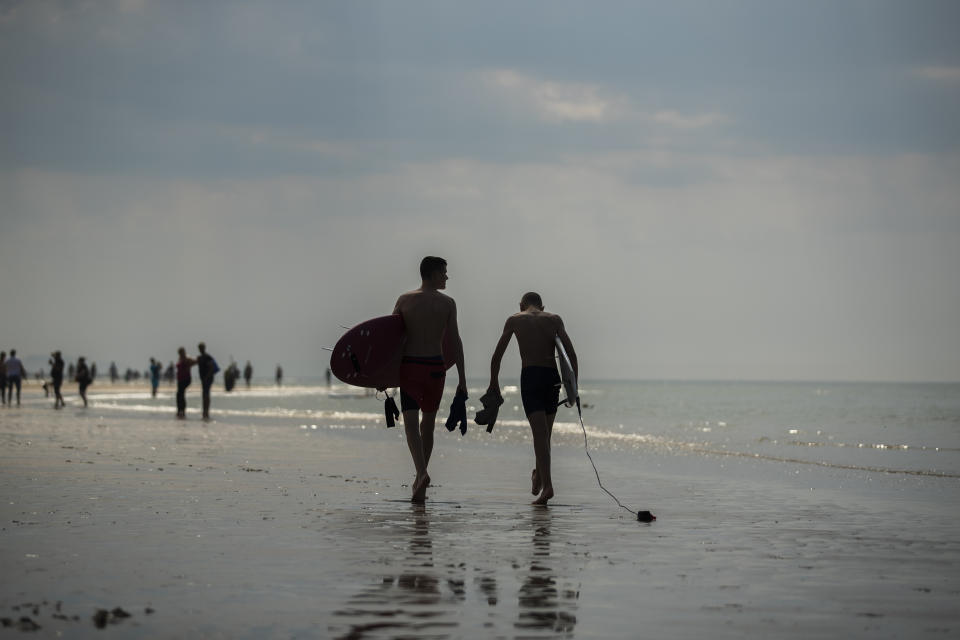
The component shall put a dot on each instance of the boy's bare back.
(535, 331)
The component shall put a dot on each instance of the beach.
(288, 515)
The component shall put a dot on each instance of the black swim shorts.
(540, 389)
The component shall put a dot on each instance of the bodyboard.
(369, 354)
(567, 377)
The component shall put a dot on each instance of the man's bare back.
(427, 314)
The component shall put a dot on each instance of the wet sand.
(249, 530)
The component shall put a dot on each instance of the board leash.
(642, 516)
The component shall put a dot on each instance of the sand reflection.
(418, 601)
(449, 574)
(543, 603)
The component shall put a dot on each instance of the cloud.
(279, 139)
(677, 120)
(564, 102)
(940, 74)
(556, 101)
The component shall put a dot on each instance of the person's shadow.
(543, 603)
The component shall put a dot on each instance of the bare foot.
(535, 477)
(545, 495)
(420, 488)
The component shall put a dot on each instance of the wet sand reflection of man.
(417, 601)
(543, 602)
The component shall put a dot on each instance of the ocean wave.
(238, 392)
(564, 433)
(267, 412)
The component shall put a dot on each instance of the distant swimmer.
(427, 314)
(206, 368)
(183, 381)
(15, 373)
(155, 370)
(56, 374)
(536, 331)
(247, 373)
(83, 378)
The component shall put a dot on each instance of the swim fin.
(491, 402)
(390, 411)
(458, 412)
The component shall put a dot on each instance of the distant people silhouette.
(56, 374)
(155, 370)
(247, 373)
(83, 378)
(327, 374)
(93, 372)
(183, 381)
(114, 376)
(206, 369)
(279, 375)
(3, 377)
(15, 373)
(169, 374)
(230, 376)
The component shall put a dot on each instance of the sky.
(737, 190)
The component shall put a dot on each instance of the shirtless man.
(539, 380)
(427, 314)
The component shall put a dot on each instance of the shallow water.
(878, 427)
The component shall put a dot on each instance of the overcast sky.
(703, 190)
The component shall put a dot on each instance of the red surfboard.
(368, 355)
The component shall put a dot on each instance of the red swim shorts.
(421, 383)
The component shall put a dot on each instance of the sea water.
(907, 429)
